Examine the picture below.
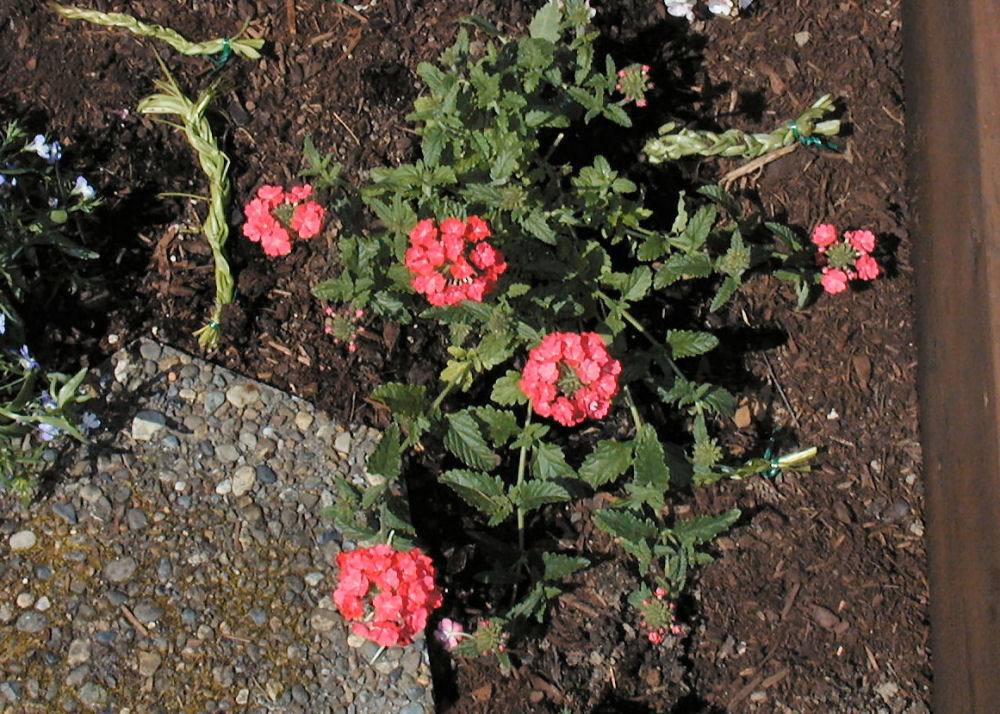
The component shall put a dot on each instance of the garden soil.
(817, 601)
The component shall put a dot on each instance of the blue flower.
(83, 189)
(89, 421)
(27, 361)
(50, 152)
(3, 323)
(48, 432)
(47, 401)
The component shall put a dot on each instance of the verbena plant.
(579, 257)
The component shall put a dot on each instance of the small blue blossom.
(3, 323)
(48, 432)
(27, 361)
(83, 189)
(53, 202)
(50, 152)
(47, 401)
(88, 422)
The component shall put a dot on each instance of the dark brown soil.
(818, 601)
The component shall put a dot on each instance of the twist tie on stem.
(817, 141)
(213, 325)
(769, 457)
(227, 52)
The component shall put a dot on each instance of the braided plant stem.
(244, 48)
(671, 144)
(215, 165)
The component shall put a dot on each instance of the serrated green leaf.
(548, 462)
(339, 289)
(785, 234)
(373, 494)
(504, 164)
(386, 460)
(481, 491)
(702, 529)
(690, 343)
(695, 265)
(507, 390)
(637, 284)
(533, 494)
(464, 440)
(558, 566)
(545, 24)
(402, 399)
(537, 226)
(433, 143)
(616, 114)
(728, 288)
(606, 462)
(625, 525)
(699, 226)
(530, 436)
(502, 424)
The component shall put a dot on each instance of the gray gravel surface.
(181, 563)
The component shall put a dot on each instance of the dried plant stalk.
(248, 48)
(671, 144)
(215, 165)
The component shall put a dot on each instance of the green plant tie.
(819, 141)
(227, 52)
(769, 456)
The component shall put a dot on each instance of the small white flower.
(721, 7)
(681, 8)
(89, 421)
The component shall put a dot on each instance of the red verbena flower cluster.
(571, 377)
(633, 81)
(405, 593)
(847, 259)
(455, 263)
(274, 214)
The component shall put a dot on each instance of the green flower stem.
(245, 48)
(440, 398)
(215, 165)
(673, 144)
(636, 419)
(662, 357)
(522, 462)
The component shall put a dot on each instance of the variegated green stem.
(248, 48)
(215, 165)
(671, 144)
(522, 462)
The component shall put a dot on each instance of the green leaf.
(465, 441)
(339, 289)
(548, 462)
(703, 529)
(507, 390)
(402, 399)
(501, 423)
(699, 226)
(637, 284)
(434, 139)
(696, 265)
(481, 491)
(785, 234)
(58, 216)
(545, 24)
(67, 393)
(690, 343)
(504, 164)
(728, 288)
(616, 114)
(537, 226)
(558, 566)
(625, 525)
(530, 495)
(606, 462)
(386, 460)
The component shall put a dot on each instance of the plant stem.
(440, 398)
(662, 357)
(522, 460)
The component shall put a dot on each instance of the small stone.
(22, 540)
(213, 400)
(11, 691)
(243, 696)
(116, 597)
(323, 620)
(43, 604)
(225, 486)
(79, 652)
(273, 689)
(146, 424)
(6, 613)
(265, 474)
(802, 38)
(93, 696)
(24, 600)
(241, 395)
(147, 613)
(244, 480)
(149, 662)
(303, 420)
(150, 350)
(31, 622)
(258, 616)
(66, 512)
(313, 579)
(253, 513)
(120, 569)
(136, 519)
(343, 442)
(227, 453)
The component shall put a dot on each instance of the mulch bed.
(818, 599)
